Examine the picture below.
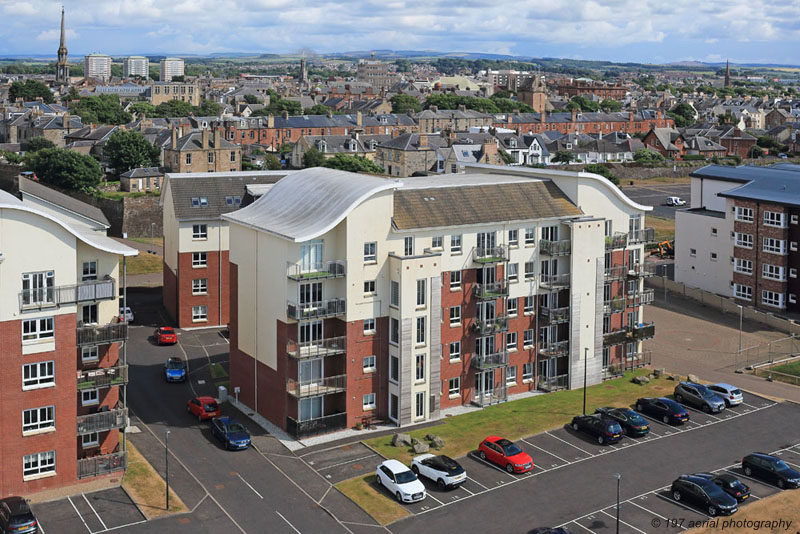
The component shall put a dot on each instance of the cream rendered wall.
(693, 231)
(107, 264)
(704, 193)
(218, 238)
(170, 228)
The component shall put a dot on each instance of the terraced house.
(355, 297)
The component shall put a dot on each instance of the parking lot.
(96, 512)
(655, 195)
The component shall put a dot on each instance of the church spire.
(62, 67)
(727, 73)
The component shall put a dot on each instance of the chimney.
(630, 116)
(285, 115)
(174, 144)
(490, 151)
(270, 121)
(574, 115)
(462, 107)
(423, 141)
(66, 120)
(329, 113)
(435, 109)
(217, 139)
(358, 118)
(204, 137)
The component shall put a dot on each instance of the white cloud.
(18, 8)
(55, 35)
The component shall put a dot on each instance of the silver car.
(730, 394)
(699, 396)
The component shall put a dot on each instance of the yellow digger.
(664, 249)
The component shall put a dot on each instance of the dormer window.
(372, 144)
(321, 145)
(512, 143)
(352, 146)
(203, 202)
(383, 119)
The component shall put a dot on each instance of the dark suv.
(604, 429)
(16, 517)
(704, 493)
(770, 468)
(699, 396)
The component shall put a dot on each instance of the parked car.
(16, 517)
(631, 422)
(730, 394)
(699, 396)
(204, 408)
(506, 454)
(705, 494)
(401, 481)
(230, 432)
(770, 468)
(165, 335)
(550, 530)
(603, 429)
(446, 472)
(175, 370)
(667, 410)
(729, 484)
(126, 315)
(783, 156)
(675, 201)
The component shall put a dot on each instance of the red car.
(165, 335)
(203, 408)
(506, 454)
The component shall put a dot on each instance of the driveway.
(655, 195)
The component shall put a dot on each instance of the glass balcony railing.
(316, 426)
(316, 271)
(103, 377)
(330, 346)
(102, 421)
(554, 315)
(645, 235)
(101, 334)
(616, 241)
(553, 281)
(315, 310)
(485, 327)
(555, 248)
(492, 290)
(490, 254)
(326, 385)
(489, 361)
(89, 291)
(554, 348)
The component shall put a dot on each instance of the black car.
(703, 493)
(16, 517)
(604, 429)
(230, 432)
(631, 422)
(729, 484)
(770, 468)
(667, 410)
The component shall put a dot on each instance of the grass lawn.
(665, 228)
(144, 263)
(372, 499)
(146, 240)
(783, 505)
(217, 371)
(792, 368)
(147, 488)
(655, 180)
(780, 372)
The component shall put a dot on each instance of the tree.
(143, 108)
(65, 168)
(563, 156)
(755, 152)
(581, 103)
(208, 108)
(251, 99)
(179, 79)
(507, 158)
(12, 157)
(405, 103)
(611, 105)
(647, 155)
(102, 109)
(319, 109)
(272, 163)
(72, 95)
(174, 108)
(128, 149)
(313, 158)
(38, 143)
(345, 162)
(683, 114)
(30, 90)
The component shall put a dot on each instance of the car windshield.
(24, 517)
(235, 427)
(404, 477)
(511, 450)
(635, 418)
(173, 364)
(167, 331)
(614, 428)
(211, 407)
(714, 491)
(706, 393)
(445, 463)
(673, 406)
(736, 392)
(780, 465)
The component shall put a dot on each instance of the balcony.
(490, 254)
(641, 270)
(315, 310)
(316, 271)
(555, 315)
(554, 281)
(617, 337)
(645, 235)
(635, 360)
(614, 305)
(555, 248)
(90, 291)
(497, 395)
(104, 377)
(642, 331)
(103, 464)
(553, 383)
(616, 241)
(617, 272)
(490, 291)
(327, 385)
(640, 298)
(319, 348)
(489, 361)
(102, 421)
(101, 335)
(554, 349)
(313, 427)
(485, 327)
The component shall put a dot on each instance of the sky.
(655, 31)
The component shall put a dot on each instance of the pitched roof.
(194, 141)
(142, 172)
(35, 189)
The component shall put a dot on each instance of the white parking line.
(665, 518)
(790, 463)
(95, 511)
(434, 498)
(673, 501)
(287, 522)
(544, 451)
(793, 452)
(587, 529)
(478, 483)
(487, 462)
(246, 483)
(623, 522)
(344, 463)
(570, 444)
(79, 515)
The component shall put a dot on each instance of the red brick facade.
(179, 298)
(575, 124)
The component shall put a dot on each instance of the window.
(233, 156)
(369, 326)
(609, 225)
(794, 219)
(394, 368)
(89, 271)
(527, 339)
(744, 214)
(713, 256)
(38, 463)
(419, 404)
(455, 280)
(369, 287)
(195, 200)
(527, 372)
(89, 313)
(38, 375)
(394, 298)
(792, 272)
(199, 231)
(529, 305)
(436, 242)
(199, 313)
(200, 286)
(90, 397)
(455, 350)
(199, 259)
(370, 251)
(773, 272)
(368, 364)
(39, 419)
(368, 401)
(394, 331)
(408, 246)
(776, 246)
(511, 374)
(89, 354)
(455, 315)
(550, 233)
(513, 238)
(773, 218)
(513, 272)
(743, 266)
(530, 270)
(512, 307)
(421, 293)
(454, 386)
(742, 292)
(743, 240)
(511, 341)
(455, 243)
(35, 329)
(38, 287)
(530, 236)
(90, 440)
(188, 159)
(692, 252)
(714, 231)
(210, 157)
(419, 368)
(771, 298)
(420, 330)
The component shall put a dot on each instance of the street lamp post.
(741, 312)
(585, 365)
(166, 463)
(618, 477)
(152, 238)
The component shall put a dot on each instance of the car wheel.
(781, 483)
(415, 469)
(706, 408)
(748, 471)
(482, 455)
(665, 419)
(676, 495)
(712, 511)
(441, 484)
(378, 480)
(575, 427)
(600, 440)
(679, 398)
(227, 444)
(398, 497)
(639, 407)
(509, 468)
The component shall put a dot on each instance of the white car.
(400, 481)
(443, 470)
(126, 314)
(675, 201)
(730, 394)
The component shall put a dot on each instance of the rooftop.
(778, 184)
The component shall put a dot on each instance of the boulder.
(431, 437)
(401, 440)
(414, 441)
(641, 380)
(693, 378)
(420, 448)
(658, 372)
(437, 442)
(670, 377)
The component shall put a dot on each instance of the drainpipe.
(219, 277)
(124, 388)
(255, 341)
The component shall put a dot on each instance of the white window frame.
(370, 287)
(511, 341)
(369, 326)
(40, 375)
(368, 402)
(422, 293)
(527, 372)
(530, 236)
(91, 440)
(513, 272)
(530, 270)
(742, 240)
(455, 315)
(529, 305)
(454, 387)
(421, 333)
(513, 238)
(743, 266)
(527, 339)
(408, 246)
(743, 292)
(437, 242)
(773, 272)
(419, 368)
(199, 259)
(44, 462)
(200, 286)
(455, 244)
(455, 280)
(773, 246)
(89, 270)
(454, 350)
(743, 214)
(512, 310)
(34, 330)
(775, 219)
(199, 232)
(369, 364)
(370, 252)
(40, 419)
(394, 293)
(693, 252)
(773, 299)
(90, 354)
(90, 397)
(511, 375)
(199, 313)
(419, 405)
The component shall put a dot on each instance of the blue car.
(231, 433)
(175, 370)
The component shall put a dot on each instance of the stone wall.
(139, 213)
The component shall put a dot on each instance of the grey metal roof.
(66, 202)
(142, 172)
(765, 184)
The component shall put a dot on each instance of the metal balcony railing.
(101, 334)
(489, 361)
(553, 383)
(102, 421)
(643, 270)
(638, 359)
(104, 377)
(316, 271)
(616, 241)
(495, 396)
(318, 348)
(490, 254)
(554, 315)
(617, 272)
(642, 331)
(617, 337)
(554, 280)
(554, 348)
(319, 425)
(640, 298)
(315, 310)
(485, 327)
(73, 294)
(645, 235)
(326, 385)
(555, 248)
(614, 305)
(103, 464)
(492, 290)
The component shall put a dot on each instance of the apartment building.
(135, 66)
(97, 66)
(376, 73)
(196, 240)
(355, 297)
(740, 236)
(64, 355)
(169, 68)
(165, 91)
(603, 90)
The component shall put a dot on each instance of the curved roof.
(306, 204)
(91, 238)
